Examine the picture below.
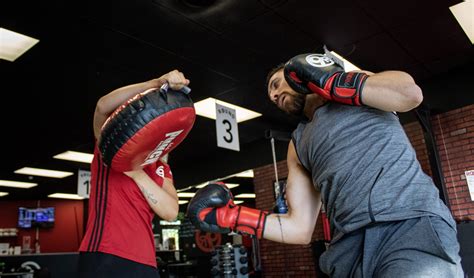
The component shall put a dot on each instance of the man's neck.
(312, 103)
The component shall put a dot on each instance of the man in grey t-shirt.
(386, 217)
(353, 157)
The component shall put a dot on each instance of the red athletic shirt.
(120, 219)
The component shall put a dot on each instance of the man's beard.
(297, 106)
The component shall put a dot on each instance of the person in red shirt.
(119, 239)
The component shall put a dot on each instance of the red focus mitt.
(145, 128)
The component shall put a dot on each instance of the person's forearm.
(161, 202)
(108, 103)
(391, 91)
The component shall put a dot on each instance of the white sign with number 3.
(227, 129)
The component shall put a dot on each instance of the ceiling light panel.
(232, 185)
(348, 66)
(13, 44)
(75, 156)
(207, 108)
(202, 185)
(246, 195)
(17, 184)
(66, 196)
(186, 194)
(245, 174)
(43, 172)
(464, 14)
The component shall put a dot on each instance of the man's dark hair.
(272, 72)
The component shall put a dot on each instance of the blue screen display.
(35, 217)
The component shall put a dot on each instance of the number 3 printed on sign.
(228, 129)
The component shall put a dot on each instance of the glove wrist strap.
(342, 87)
(347, 87)
(251, 221)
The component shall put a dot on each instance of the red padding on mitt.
(154, 140)
(146, 128)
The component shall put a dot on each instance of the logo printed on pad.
(161, 147)
(319, 60)
(160, 171)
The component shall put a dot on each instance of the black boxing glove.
(212, 209)
(317, 73)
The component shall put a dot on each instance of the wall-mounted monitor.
(36, 217)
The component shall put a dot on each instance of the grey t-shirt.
(362, 162)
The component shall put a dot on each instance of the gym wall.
(454, 133)
(455, 138)
(65, 236)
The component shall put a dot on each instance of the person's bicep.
(296, 226)
(99, 120)
(303, 199)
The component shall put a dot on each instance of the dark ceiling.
(225, 47)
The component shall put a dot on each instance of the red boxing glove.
(317, 73)
(212, 209)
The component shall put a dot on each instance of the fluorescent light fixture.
(75, 156)
(18, 184)
(464, 14)
(164, 222)
(207, 108)
(184, 189)
(13, 44)
(43, 172)
(3, 194)
(231, 185)
(245, 174)
(348, 66)
(65, 196)
(186, 194)
(202, 185)
(238, 202)
(182, 202)
(246, 195)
